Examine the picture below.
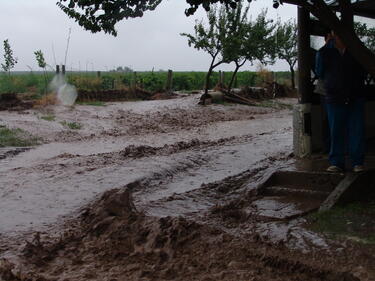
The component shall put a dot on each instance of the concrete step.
(295, 191)
(315, 181)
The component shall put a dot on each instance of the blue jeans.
(346, 121)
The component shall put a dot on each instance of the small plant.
(264, 76)
(71, 125)
(16, 137)
(48, 117)
(9, 60)
(42, 64)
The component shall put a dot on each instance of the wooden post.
(304, 60)
(134, 81)
(63, 69)
(98, 74)
(168, 87)
(57, 69)
(302, 141)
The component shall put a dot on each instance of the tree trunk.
(45, 81)
(292, 75)
(212, 66)
(232, 78)
(238, 66)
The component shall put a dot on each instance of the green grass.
(48, 117)
(16, 137)
(355, 222)
(92, 103)
(33, 82)
(72, 125)
(24, 83)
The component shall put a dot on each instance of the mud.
(112, 240)
(158, 190)
(11, 152)
(11, 102)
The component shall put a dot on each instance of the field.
(34, 82)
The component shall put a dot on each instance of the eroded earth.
(158, 190)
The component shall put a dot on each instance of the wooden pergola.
(307, 116)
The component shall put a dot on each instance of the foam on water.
(66, 93)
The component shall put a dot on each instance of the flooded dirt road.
(154, 190)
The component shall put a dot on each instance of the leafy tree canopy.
(9, 60)
(102, 15)
(286, 45)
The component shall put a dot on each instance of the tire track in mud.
(112, 240)
(57, 189)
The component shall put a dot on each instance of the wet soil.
(158, 190)
(11, 102)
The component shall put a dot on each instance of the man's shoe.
(334, 169)
(358, 168)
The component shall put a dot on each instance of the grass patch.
(355, 222)
(16, 137)
(48, 117)
(72, 125)
(93, 103)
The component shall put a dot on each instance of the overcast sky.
(152, 41)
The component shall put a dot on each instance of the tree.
(39, 56)
(9, 60)
(286, 46)
(210, 39)
(103, 15)
(248, 40)
(366, 34)
(232, 37)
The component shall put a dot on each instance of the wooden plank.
(335, 196)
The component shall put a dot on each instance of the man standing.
(320, 87)
(344, 85)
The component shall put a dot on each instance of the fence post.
(134, 81)
(63, 69)
(221, 78)
(168, 87)
(98, 74)
(57, 69)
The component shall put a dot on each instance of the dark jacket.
(343, 76)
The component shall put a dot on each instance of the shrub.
(16, 137)
(72, 125)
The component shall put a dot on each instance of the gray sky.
(143, 43)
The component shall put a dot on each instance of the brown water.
(178, 159)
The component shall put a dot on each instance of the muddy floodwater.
(158, 190)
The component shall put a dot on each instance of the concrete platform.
(288, 194)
